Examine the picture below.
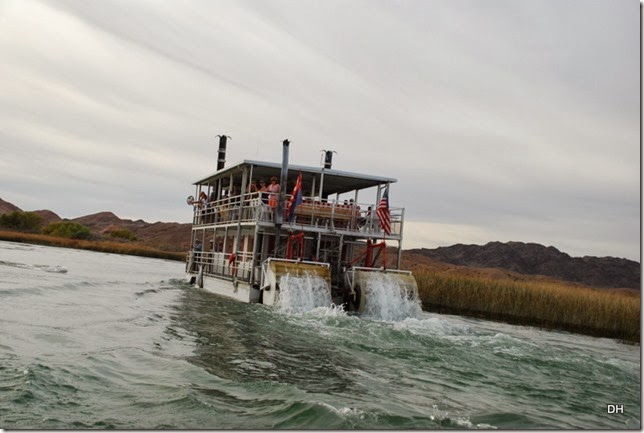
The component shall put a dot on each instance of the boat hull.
(238, 290)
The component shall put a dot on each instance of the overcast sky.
(501, 119)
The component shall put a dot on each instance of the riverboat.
(320, 229)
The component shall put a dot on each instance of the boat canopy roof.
(334, 181)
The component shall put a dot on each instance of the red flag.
(383, 212)
(296, 198)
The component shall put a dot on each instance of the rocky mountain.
(6, 207)
(536, 259)
(48, 216)
(164, 236)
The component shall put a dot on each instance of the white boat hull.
(240, 291)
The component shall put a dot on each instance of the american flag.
(296, 198)
(383, 212)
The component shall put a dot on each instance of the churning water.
(303, 293)
(93, 340)
(387, 299)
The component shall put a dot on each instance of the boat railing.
(328, 214)
(227, 265)
(381, 269)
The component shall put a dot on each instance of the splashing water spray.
(387, 296)
(389, 299)
(299, 294)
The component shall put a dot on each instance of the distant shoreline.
(131, 249)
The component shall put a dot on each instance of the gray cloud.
(502, 119)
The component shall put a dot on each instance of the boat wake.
(44, 268)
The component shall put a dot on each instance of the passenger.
(263, 191)
(273, 191)
(233, 203)
(203, 199)
(355, 214)
(250, 200)
(367, 220)
(223, 207)
(197, 255)
(202, 203)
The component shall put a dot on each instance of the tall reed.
(133, 249)
(585, 310)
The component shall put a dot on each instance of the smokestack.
(222, 151)
(283, 179)
(328, 158)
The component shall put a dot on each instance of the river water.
(91, 341)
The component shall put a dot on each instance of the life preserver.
(232, 261)
(190, 200)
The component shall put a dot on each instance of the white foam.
(299, 294)
(45, 268)
(387, 298)
(331, 311)
(54, 269)
(347, 412)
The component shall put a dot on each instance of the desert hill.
(536, 259)
(164, 236)
(6, 207)
(160, 235)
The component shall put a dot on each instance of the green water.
(94, 341)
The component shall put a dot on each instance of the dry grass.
(557, 305)
(129, 248)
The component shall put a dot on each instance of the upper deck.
(333, 200)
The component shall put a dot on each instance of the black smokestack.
(328, 157)
(221, 160)
(283, 179)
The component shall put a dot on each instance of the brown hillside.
(416, 262)
(164, 236)
(100, 221)
(538, 260)
(48, 216)
(6, 207)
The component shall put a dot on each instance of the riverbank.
(127, 248)
(597, 312)
(551, 305)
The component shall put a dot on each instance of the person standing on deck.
(263, 191)
(273, 191)
(198, 248)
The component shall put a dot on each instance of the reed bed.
(114, 247)
(599, 312)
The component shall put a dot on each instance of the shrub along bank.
(597, 312)
(101, 246)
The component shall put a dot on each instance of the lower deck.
(235, 252)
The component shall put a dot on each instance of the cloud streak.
(502, 120)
